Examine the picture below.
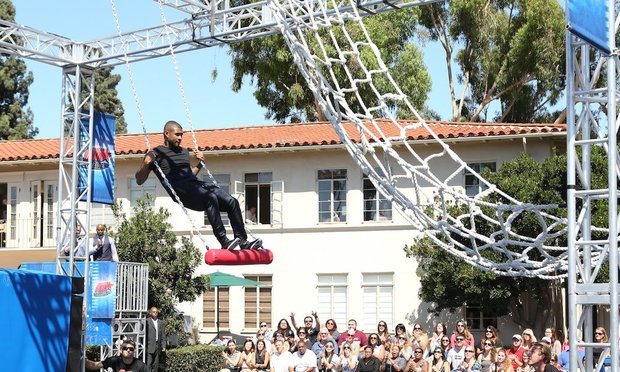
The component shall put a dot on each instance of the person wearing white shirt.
(282, 359)
(304, 360)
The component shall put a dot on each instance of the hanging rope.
(194, 230)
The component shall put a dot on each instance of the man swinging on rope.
(193, 193)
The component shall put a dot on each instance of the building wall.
(303, 247)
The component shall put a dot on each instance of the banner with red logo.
(102, 181)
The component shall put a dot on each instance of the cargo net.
(477, 229)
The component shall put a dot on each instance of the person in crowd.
(419, 338)
(173, 161)
(304, 360)
(247, 360)
(445, 346)
(348, 361)
(329, 361)
(102, 247)
(540, 358)
(556, 345)
(470, 363)
(332, 327)
(486, 358)
(457, 353)
(231, 357)
(261, 357)
(290, 341)
(383, 332)
(563, 359)
(302, 335)
(395, 362)
(491, 333)
(405, 345)
(463, 330)
(525, 367)
(283, 328)
(155, 339)
(387, 345)
(440, 331)
(502, 363)
(375, 344)
(528, 338)
(312, 330)
(600, 335)
(262, 336)
(264, 327)
(125, 362)
(358, 335)
(282, 359)
(417, 363)
(438, 363)
(354, 344)
(515, 353)
(79, 239)
(368, 363)
(321, 342)
(399, 330)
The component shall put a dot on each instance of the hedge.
(195, 358)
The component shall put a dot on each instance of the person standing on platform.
(102, 247)
(126, 362)
(155, 340)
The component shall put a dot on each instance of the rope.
(194, 230)
(318, 53)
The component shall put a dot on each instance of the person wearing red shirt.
(515, 353)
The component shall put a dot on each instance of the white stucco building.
(337, 243)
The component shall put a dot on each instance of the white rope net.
(481, 231)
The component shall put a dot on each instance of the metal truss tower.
(591, 80)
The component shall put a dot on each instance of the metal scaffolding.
(591, 85)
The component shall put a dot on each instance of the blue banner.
(101, 297)
(588, 20)
(103, 158)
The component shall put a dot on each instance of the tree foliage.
(147, 237)
(511, 52)
(15, 117)
(448, 283)
(106, 97)
(282, 90)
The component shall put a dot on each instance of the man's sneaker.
(231, 244)
(256, 244)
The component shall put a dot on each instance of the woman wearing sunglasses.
(487, 355)
(383, 332)
(348, 361)
(417, 363)
(439, 362)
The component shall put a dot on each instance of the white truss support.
(588, 289)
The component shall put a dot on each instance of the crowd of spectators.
(314, 347)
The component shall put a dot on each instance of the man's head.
(153, 312)
(367, 352)
(539, 353)
(279, 345)
(459, 341)
(516, 341)
(301, 347)
(352, 324)
(100, 229)
(395, 351)
(308, 322)
(128, 349)
(173, 134)
(323, 334)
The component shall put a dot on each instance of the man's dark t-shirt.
(174, 163)
(117, 365)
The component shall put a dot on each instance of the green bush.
(194, 358)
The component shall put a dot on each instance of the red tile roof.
(277, 135)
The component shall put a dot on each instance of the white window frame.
(379, 214)
(377, 284)
(476, 318)
(258, 184)
(471, 183)
(148, 187)
(339, 215)
(332, 284)
(260, 318)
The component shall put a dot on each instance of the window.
(377, 300)
(258, 197)
(332, 184)
(49, 211)
(13, 213)
(258, 301)
(223, 182)
(376, 206)
(477, 319)
(101, 214)
(216, 304)
(36, 210)
(332, 298)
(472, 183)
(140, 191)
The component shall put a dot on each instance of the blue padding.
(588, 19)
(35, 320)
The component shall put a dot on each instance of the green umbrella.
(219, 279)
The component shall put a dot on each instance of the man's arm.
(317, 322)
(143, 173)
(113, 249)
(293, 322)
(201, 160)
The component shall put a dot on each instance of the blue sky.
(212, 104)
